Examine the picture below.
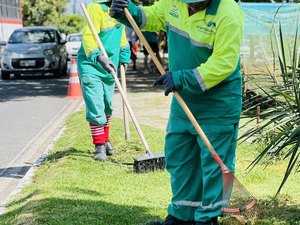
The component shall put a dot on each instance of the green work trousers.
(97, 92)
(196, 179)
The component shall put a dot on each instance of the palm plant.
(279, 127)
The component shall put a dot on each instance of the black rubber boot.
(213, 221)
(109, 148)
(171, 220)
(100, 153)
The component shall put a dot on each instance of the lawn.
(70, 188)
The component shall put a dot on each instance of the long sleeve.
(125, 48)
(90, 46)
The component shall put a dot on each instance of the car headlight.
(48, 52)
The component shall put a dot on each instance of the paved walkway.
(149, 104)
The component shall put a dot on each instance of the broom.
(125, 113)
(237, 201)
(148, 162)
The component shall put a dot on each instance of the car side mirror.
(62, 41)
(2, 43)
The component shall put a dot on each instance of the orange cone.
(74, 90)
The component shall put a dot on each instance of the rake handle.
(100, 45)
(162, 72)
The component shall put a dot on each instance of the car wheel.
(5, 75)
(57, 73)
(62, 70)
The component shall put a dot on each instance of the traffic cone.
(74, 90)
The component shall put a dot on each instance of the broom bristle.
(238, 202)
(144, 164)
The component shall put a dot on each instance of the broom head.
(149, 163)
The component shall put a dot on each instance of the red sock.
(97, 132)
(106, 129)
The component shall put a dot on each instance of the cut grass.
(71, 188)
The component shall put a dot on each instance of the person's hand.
(117, 7)
(106, 63)
(167, 81)
(125, 65)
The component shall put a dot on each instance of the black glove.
(106, 63)
(167, 81)
(116, 8)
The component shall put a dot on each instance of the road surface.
(32, 114)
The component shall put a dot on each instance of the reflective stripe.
(144, 18)
(188, 203)
(73, 80)
(177, 30)
(126, 46)
(200, 80)
(185, 34)
(199, 204)
(111, 28)
(200, 44)
(96, 130)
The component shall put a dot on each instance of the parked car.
(34, 50)
(73, 44)
(2, 46)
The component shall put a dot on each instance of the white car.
(73, 44)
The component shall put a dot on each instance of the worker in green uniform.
(204, 39)
(95, 70)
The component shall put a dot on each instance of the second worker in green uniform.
(204, 39)
(95, 69)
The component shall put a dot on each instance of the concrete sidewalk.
(149, 104)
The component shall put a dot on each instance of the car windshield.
(33, 36)
(73, 38)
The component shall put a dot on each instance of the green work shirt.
(204, 52)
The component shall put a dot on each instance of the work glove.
(125, 65)
(106, 63)
(167, 81)
(117, 7)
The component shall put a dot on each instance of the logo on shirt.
(211, 24)
(174, 11)
(208, 28)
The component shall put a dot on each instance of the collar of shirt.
(213, 7)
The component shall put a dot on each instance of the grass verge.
(71, 188)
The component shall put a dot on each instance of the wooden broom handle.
(125, 113)
(162, 72)
(144, 41)
(100, 45)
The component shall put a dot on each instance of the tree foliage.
(71, 24)
(43, 12)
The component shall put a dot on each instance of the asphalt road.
(32, 114)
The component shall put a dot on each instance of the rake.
(149, 162)
(237, 201)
